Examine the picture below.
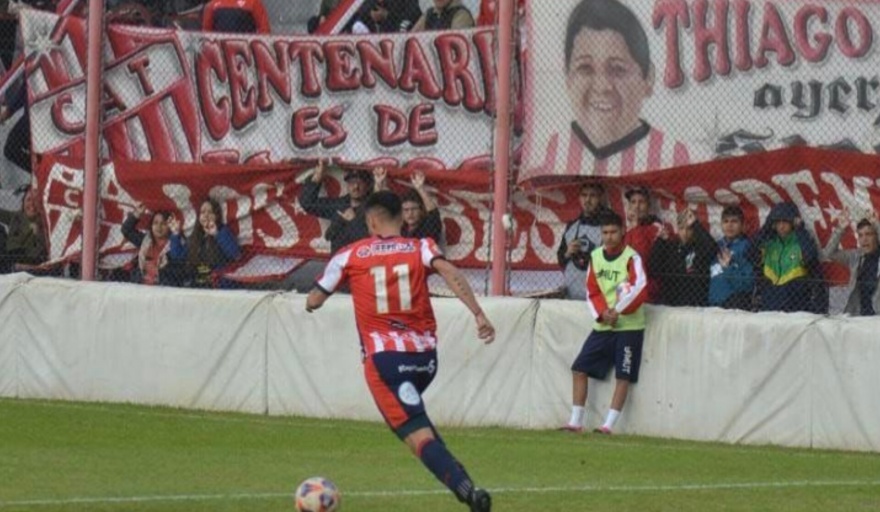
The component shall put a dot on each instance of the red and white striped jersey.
(389, 287)
(645, 149)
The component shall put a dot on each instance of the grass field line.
(721, 486)
(323, 424)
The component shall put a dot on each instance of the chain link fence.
(686, 119)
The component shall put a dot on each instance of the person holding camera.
(580, 237)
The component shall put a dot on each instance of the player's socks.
(443, 465)
(611, 419)
(577, 416)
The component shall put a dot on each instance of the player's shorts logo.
(408, 394)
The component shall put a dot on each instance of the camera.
(581, 259)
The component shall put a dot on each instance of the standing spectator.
(681, 266)
(732, 281)
(789, 263)
(387, 16)
(581, 236)
(154, 266)
(421, 217)
(346, 213)
(397, 328)
(445, 15)
(210, 247)
(647, 229)
(864, 271)
(25, 239)
(236, 16)
(616, 291)
(327, 7)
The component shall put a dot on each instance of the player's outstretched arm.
(315, 299)
(456, 282)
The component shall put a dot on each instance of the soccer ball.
(317, 494)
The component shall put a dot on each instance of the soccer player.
(616, 292)
(388, 275)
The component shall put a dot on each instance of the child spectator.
(789, 263)
(732, 281)
(647, 230)
(210, 246)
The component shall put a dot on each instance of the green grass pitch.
(58, 456)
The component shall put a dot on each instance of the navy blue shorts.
(397, 381)
(622, 349)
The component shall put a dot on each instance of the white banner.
(619, 87)
(423, 100)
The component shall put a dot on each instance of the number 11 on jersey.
(380, 278)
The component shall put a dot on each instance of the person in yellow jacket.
(616, 292)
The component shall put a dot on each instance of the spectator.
(236, 16)
(616, 290)
(445, 15)
(386, 16)
(789, 262)
(864, 271)
(327, 7)
(581, 236)
(732, 281)
(346, 213)
(154, 266)
(421, 217)
(647, 229)
(210, 246)
(681, 266)
(25, 239)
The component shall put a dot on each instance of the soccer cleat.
(602, 430)
(480, 500)
(571, 428)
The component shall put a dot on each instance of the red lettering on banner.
(454, 52)
(381, 60)
(422, 125)
(706, 36)
(391, 129)
(309, 54)
(743, 47)
(417, 72)
(60, 120)
(675, 16)
(802, 37)
(844, 38)
(342, 75)
(305, 133)
(138, 66)
(112, 100)
(774, 39)
(484, 42)
(209, 63)
(271, 71)
(331, 122)
(244, 97)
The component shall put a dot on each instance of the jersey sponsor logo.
(408, 394)
(414, 368)
(386, 248)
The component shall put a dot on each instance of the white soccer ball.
(317, 494)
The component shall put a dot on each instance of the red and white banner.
(419, 100)
(260, 204)
(709, 78)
